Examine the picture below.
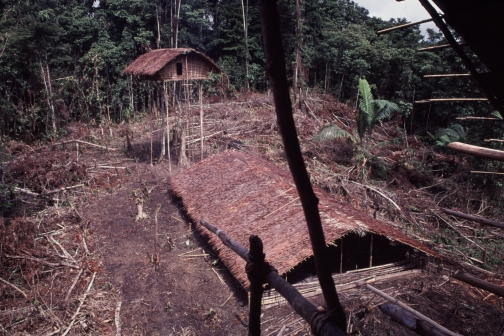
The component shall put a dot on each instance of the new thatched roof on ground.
(149, 65)
(243, 194)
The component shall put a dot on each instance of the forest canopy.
(61, 60)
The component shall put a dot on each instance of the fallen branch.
(118, 318)
(73, 284)
(42, 261)
(75, 140)
(473, 218)
(485, 172)
(32, 193)
(378, 192)
(476, 282)
(80, 305)
(15, 287)
(414, 312)
(65, 252)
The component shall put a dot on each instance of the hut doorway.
(355, 252)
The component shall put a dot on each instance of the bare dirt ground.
(72, 248)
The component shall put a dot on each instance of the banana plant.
(371, 110)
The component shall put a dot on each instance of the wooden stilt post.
(256, 261)
(200, 93)
(167, 107)
(341, 258)
(371, 252)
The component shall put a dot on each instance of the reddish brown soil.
(181, 293)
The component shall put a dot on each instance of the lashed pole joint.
(275, 63)
(321, 322)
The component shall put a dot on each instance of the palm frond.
(459, 129)
(383, 110)
(497, 114)
(332, 132)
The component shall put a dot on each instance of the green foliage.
(497, 114)
(444, 136)
(332, 132)
(371, 111)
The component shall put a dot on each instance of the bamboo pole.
(473, 218)
(440, 100)
(414, 312)
(487, 153)
(447, 75)
(479, 118)
(438, 20)
(402, 26)
(275, 61)
(485, 172)
(438, 47)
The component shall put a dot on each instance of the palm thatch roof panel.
(243, 194)
(148, 65)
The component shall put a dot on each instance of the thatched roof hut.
(243, 194)
(174, 64)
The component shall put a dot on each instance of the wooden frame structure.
(174, 65)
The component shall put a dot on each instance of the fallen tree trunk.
(476, 282)
(473, 218)
(487, 153)
(412, 311)
(409, 320)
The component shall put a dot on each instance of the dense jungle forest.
(61, 61)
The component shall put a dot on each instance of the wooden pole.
(200, 92)
(448, 75)
(473, 218)
(479, 118)
(414, 312)
(256, 260)
(440, 100)
(275, 64)
(402, 26)
(341, 257)
(487, 153)
(167, 107)
(476, 282)
(302, 306)
(438, 20)
(438, 47)
(371, 252)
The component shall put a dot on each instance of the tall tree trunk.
(47, 84)
(297, 69)
(177, 19)
(158, 42)
(245, 30)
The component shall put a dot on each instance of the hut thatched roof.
(150, 63)
(243, 194)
